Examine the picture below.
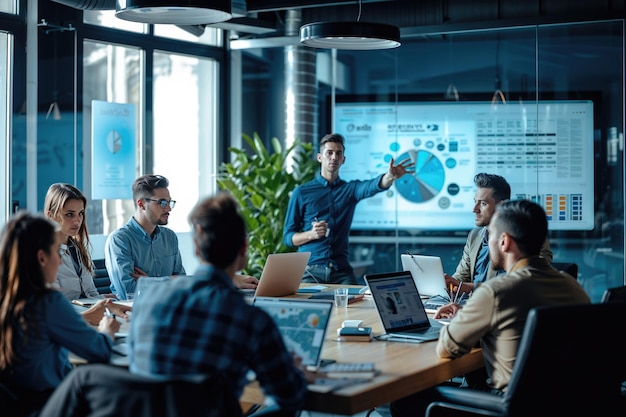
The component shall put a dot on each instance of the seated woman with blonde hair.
(66, 205)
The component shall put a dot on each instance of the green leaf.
(261, 184)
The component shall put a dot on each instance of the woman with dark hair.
(38, 326)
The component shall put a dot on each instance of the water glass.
(341, 297)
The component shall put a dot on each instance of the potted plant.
(262, 182)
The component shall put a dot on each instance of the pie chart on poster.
(114, 141)
(428, 180)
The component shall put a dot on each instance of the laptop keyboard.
(431, 306)
(437, 301)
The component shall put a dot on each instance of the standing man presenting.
(320, 213)
(475, 267)
(143, 247)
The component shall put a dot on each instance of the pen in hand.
(316, 220)
(408, 252)
(108, 313)
(458, 292)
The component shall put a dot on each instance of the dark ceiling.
(263, 18)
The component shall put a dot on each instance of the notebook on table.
(282, 274)
(400, 307)
(302, 323)
(429, 278)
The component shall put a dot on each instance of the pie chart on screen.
(428, 180)
(114, 141)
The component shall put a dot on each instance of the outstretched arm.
(396, 171)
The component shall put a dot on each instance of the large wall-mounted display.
(544, 150)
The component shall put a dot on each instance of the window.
(107, 18)
(526, 67)
(196, 33)
(112, 73)
(6, 52)
(8, 6)
(185, 117)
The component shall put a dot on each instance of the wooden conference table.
(405, 368)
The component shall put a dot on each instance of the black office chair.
(567, 365)
(8, 400)
(614, 294)
(98, 390)
(101, 277)
(569, 267)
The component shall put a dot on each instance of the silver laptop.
(429, 278)
(400, 307)
(302, 323)
(281, 274)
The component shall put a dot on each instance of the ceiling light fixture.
(181, 12)
(350, 35)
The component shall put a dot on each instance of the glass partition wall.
(542, 106)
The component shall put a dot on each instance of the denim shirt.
(333, 202)
(130, 246)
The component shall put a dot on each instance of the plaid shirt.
(202, 325)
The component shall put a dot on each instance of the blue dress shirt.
(333, 202)
(131, 246)
(202, 325)
(483, 260)
(42, 355)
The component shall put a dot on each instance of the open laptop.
(429, 278)
(281, 275)
(302, 322)
(400, 307)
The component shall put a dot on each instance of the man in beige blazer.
(475, 267)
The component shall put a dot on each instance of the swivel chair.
(569, 267)
(566, 365)
(99, 390)
(614, 294)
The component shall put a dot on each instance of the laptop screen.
(282, 274)
(302, 323)
(427, 272)
(398, 302)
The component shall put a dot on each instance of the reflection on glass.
(537, 93)
(111, 73)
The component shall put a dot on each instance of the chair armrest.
(443, 409)
(484, 403)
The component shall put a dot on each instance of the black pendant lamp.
(174, 12)
(350, 35)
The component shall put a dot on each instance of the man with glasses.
(143, 247)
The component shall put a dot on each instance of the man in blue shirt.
(143, 247)
(320, 213)
(202, 325)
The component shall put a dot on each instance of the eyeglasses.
(163, 202)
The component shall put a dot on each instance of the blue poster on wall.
(113, 150)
